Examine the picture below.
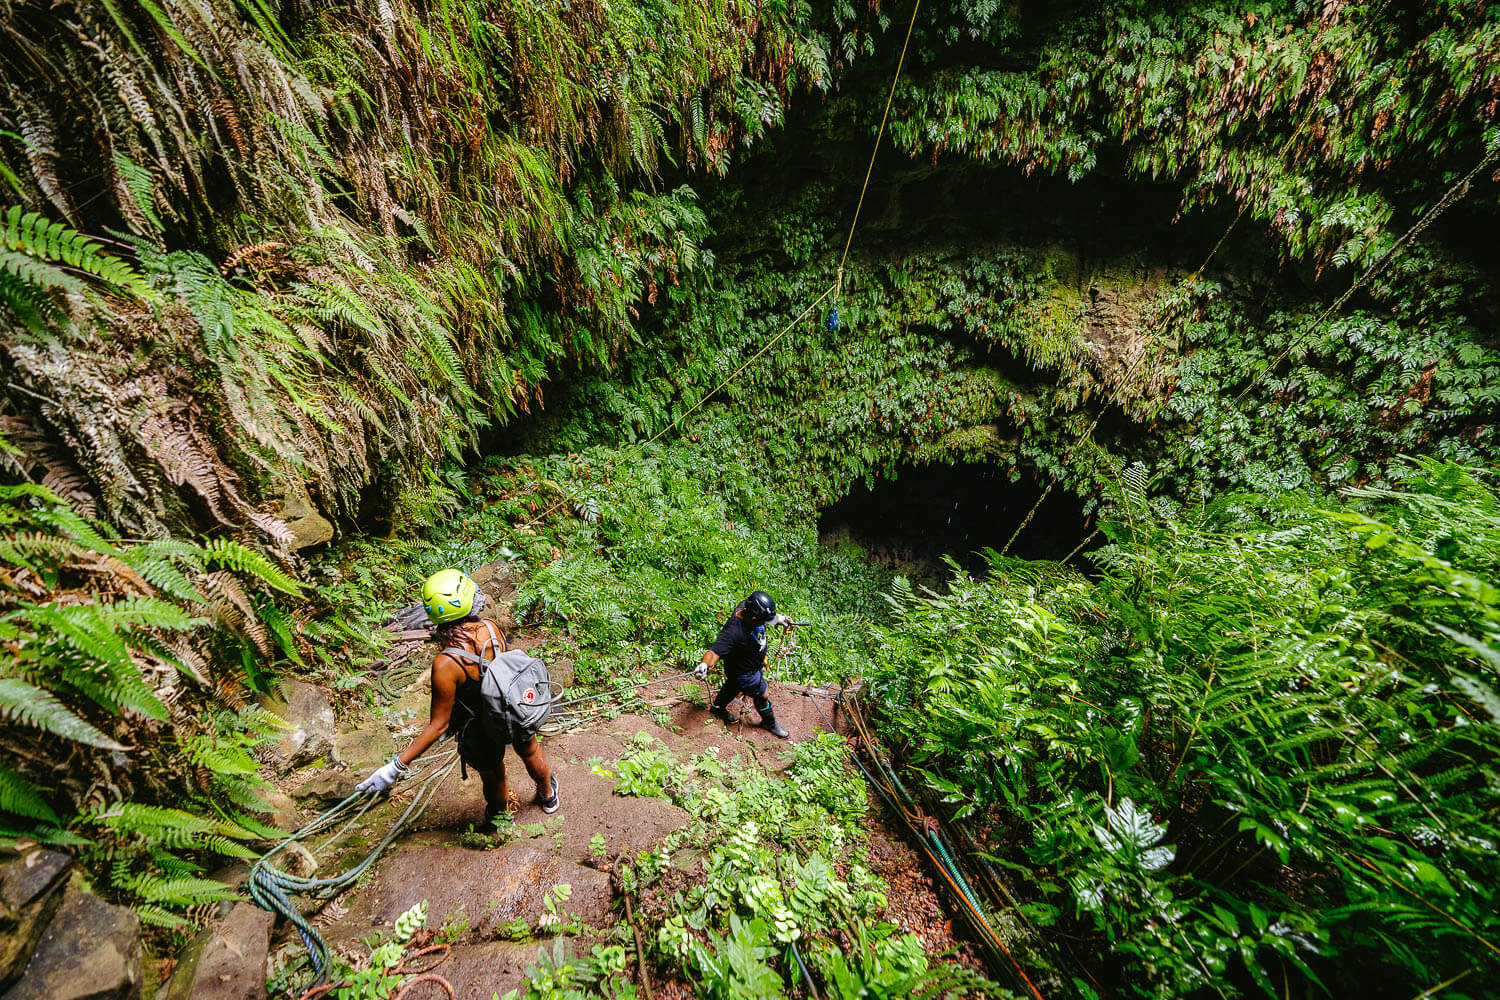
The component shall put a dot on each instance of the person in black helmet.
(742, 646)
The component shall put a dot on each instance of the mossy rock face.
(90, 951)
(306, 710)
(30, 893)
(306, 523)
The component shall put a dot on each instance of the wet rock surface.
(226, 962)
(310, 726)
(492, 889)
(31, 885)
(480, 971)
(90, 951)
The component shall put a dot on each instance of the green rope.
(272, 888)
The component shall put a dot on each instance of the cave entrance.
(911, 519)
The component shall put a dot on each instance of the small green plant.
(646, 770)
(455, 926)
(379, 976)
(561, 975)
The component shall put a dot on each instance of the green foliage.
(381, 974)
(1322, 124)
(765, 882)
(1254, 750)
(656, 552)
(363, 285)
(29, 239)
(881, 963)
(103, 638)
(734, 967)
(561, 975)
(645, 771)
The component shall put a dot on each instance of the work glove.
(701, 671)
(780, 620)
(384, 777)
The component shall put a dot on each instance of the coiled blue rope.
(271, 888)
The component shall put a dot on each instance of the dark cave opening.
(911, 519)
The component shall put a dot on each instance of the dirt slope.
(494, 888)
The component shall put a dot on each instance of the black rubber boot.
(722, 713)
(768, 721)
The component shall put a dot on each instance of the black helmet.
(759, 608)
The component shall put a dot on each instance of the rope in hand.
(271, 888)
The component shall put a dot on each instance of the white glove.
(781, 619)
(701, 671)
(384, 777)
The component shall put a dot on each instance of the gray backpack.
(514, 685)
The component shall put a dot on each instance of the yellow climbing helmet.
(448, 595)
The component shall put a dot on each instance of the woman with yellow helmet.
(458, 707)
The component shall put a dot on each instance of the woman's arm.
(444, 686)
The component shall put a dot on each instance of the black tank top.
(468, 697)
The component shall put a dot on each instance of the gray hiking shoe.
(550, 803)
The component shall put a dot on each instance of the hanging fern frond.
(31, 706)
(21, 798)
(232, 555)
(33, 234)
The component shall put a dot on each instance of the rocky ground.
(490, 893)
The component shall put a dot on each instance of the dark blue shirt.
(741, 646)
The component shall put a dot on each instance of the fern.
(232, 555)
(31, 706)
(32, 234)
(172, 828)
(21, 798)
(141, 185)
(180, 890)
(38, 273)
(30, 304)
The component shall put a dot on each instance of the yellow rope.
(838, 282)
(728, 378)
(878, 136)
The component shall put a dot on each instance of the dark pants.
(751, 684)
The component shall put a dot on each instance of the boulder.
(309, 718)
(357, 752)
(326, 787)
(285, 813)
(226, 962)
(90, 951)
(307, 525)
(497, 582)
(561, 672)
(364, 749)
(30, 892)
